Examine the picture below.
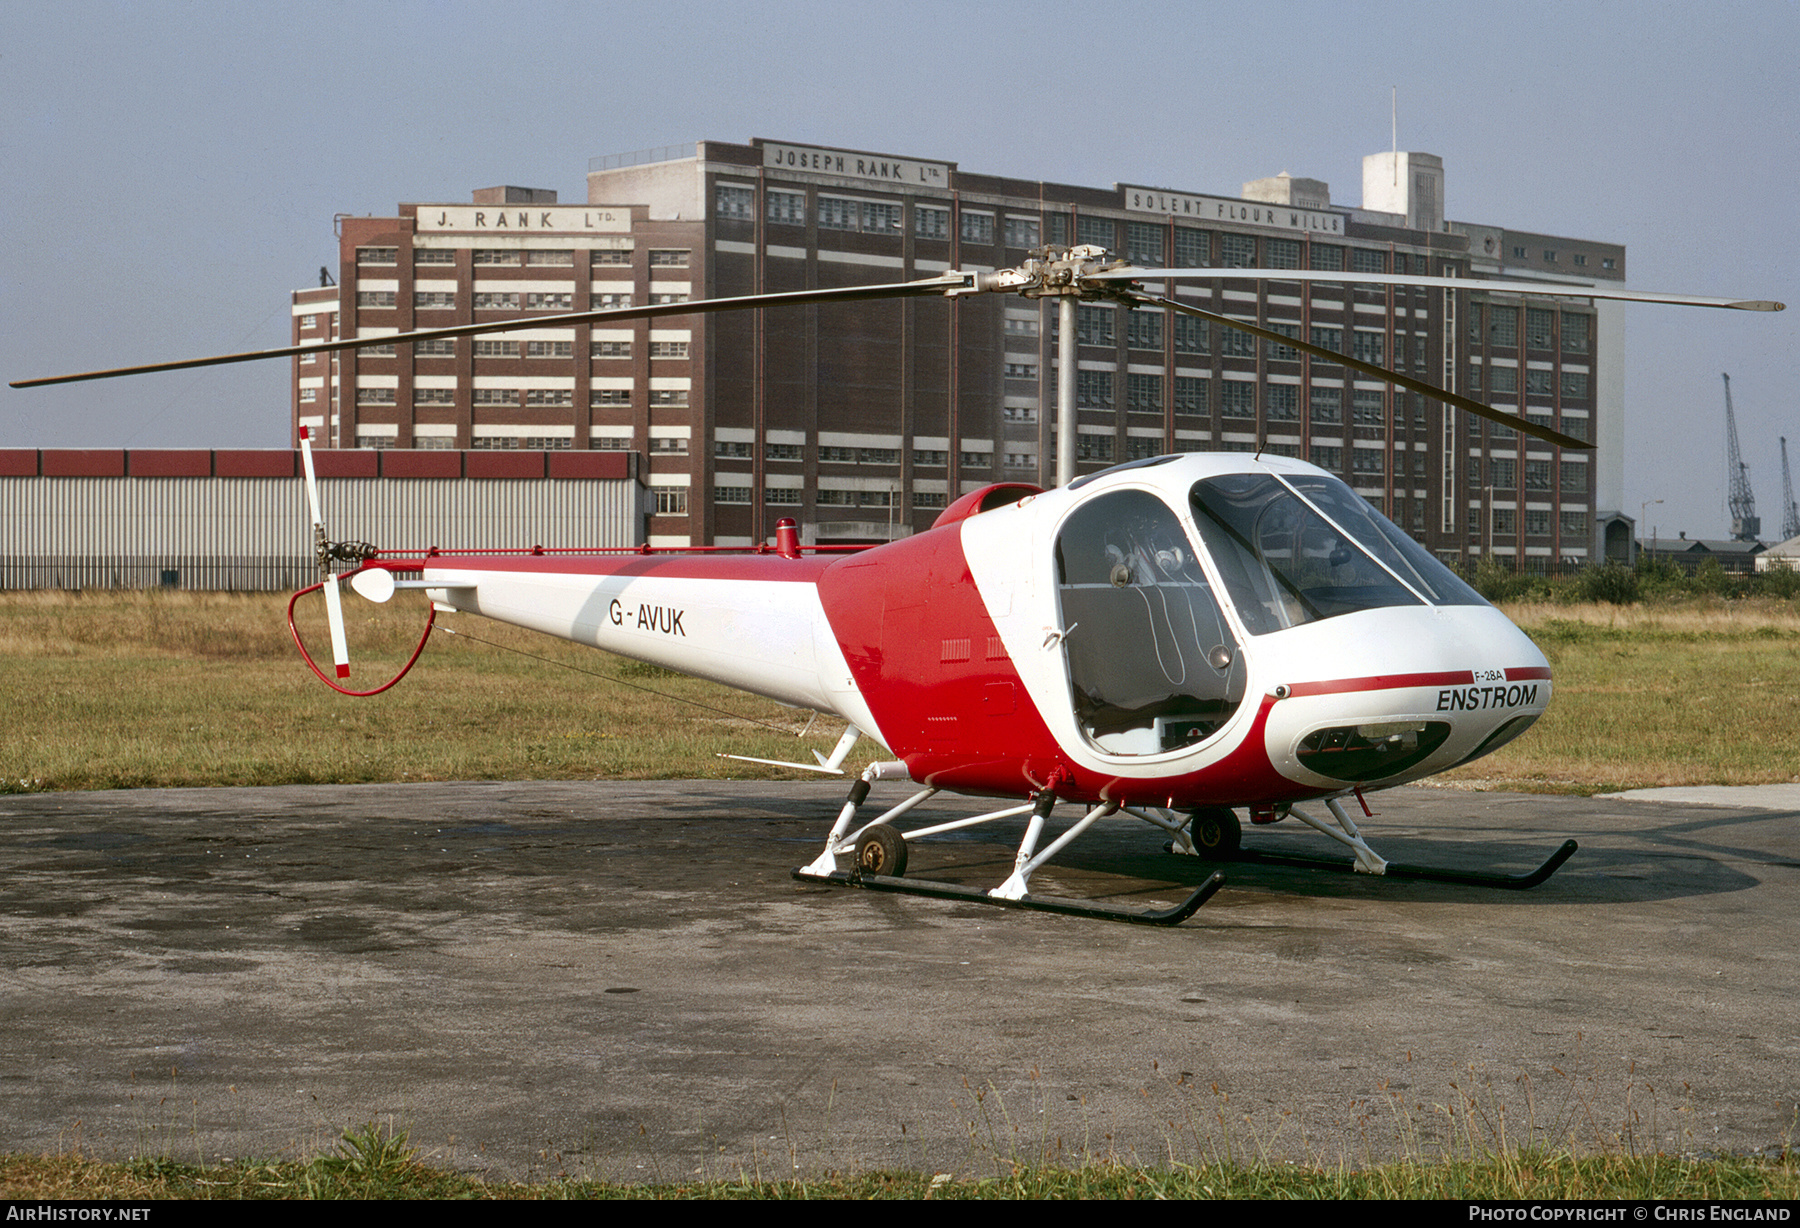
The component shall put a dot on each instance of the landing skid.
(1394, 869)
(1366, 861)
(1036, 903)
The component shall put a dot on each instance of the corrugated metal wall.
(253, 534)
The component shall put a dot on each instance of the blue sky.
(174, 168)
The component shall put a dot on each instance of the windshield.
(1307, 548)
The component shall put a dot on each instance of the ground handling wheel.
(1216, 833)
(881, 850)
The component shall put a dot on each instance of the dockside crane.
(1790, 513)
(1745, 525)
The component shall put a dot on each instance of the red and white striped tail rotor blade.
(334, 614)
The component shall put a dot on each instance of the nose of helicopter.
(1386, 696)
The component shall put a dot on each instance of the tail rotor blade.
(334, 613)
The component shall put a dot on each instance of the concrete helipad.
(621, 980)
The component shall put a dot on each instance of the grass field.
(125, 690)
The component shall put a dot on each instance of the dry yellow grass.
(110, 690)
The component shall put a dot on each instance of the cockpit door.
(1152, 665)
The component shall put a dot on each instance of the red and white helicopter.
(1175, 639)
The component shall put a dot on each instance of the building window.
(662, 446)
(434, 255)
(671, 501)
(556, 397)
(1095, 448)
(309, 395)
(1021, 328)
(781, 451)
(377, 255)
(1021, 370)
(1278, 352)
(1240, 251)
(1281, 403)
(1144, 394)
(734, 205)
(838, 456)
(1367, 345)
(1192, 336)
(1021, 460)
(1281, 253)
(1325, 457)
(731, 450)
(1502, 473)
(781, 496)
(430, 300)
(1574, 333)
(1139, 447)
(878, 456)
(1059, 228)
(930, 222)
(786, 208)
(491, 256)
(609, 255)
(1099, 231)
(1504, 381)
(609, 349)
(374, 441)
(1093, 325)
(495, 396)
(1144, 244)
(1581, 260)
(1193, 248)
(930, 458)
(1021, 231)
(1327, 339)
(1144, 330)
(600, 302)
(1237, 399)
(668, 349)
(928, 499)
(435, 443)
(1366, 408)
(673, 397)
(563, 257)
(1019, 413)
(1574, 525)
(1606, 262)
(1235, 343)
(609, 396)
(491, 300)
(376, 351)
(442, 347)
(1575, 385)
(1368, 462)
(668, 258)
(975, 460)
(1327, 405)
(1537, 475)
(836, 213)
(671, 297)
(731, 494)
(1537, 328)
(1549, 256)
(1503, 326)
(1327, 257)
(375, 396)
(496, 349)
(494, 443)
(1537, 383)
(549, 443)
(550, 302)
(977, 228)
(1368, 260)
(374, 298)
(1094, 388)
(549, 349)
(610, 443)
(434, 396)
(1190, 395)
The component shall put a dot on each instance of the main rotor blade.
(1557, 289)
(1523, 425)
(944, 283)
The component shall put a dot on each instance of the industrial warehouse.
(864, 420)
